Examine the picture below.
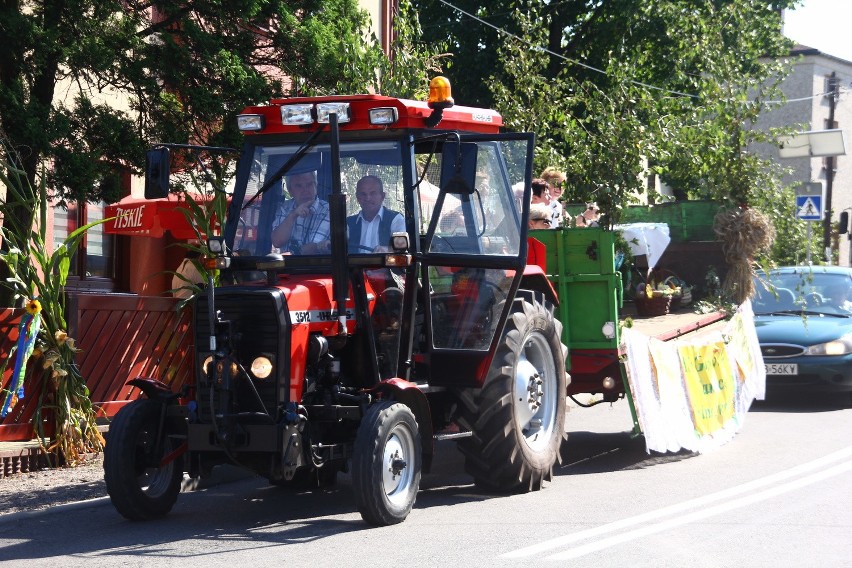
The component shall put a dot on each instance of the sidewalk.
(21, 457)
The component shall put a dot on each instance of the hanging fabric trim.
(27, 333)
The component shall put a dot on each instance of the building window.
(93, 266)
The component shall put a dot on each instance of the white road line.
(699, 515)
(686, 506)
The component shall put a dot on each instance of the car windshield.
(811, 291)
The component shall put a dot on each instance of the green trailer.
(581, 264)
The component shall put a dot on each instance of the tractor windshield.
(460, 213)
(292, 215)
(458, 217)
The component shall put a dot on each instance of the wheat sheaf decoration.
(745, 232)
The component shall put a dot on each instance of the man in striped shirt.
(302, 223)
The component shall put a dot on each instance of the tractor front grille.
(259, 326)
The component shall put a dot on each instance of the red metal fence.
(120, 337)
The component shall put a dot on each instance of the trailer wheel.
(519, 416)
(386, 463)
(139, 487)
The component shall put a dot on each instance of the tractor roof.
(397, 113)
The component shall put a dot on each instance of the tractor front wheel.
(139, 484)
(386, 463)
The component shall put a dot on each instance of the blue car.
(804, 326)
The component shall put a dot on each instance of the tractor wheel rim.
(535, 391)
(399, 449)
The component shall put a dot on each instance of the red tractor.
(317, 354)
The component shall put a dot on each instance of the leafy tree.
(673, 84)
(413, 61)
(472, 44)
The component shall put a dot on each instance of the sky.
(822, 24)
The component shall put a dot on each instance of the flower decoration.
(33, 307)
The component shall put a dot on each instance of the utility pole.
(829, 168)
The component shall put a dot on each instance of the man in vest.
(374, 225)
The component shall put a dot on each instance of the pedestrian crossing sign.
(809, 207)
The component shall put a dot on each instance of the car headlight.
(840, 346)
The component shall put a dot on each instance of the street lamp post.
(830, 163)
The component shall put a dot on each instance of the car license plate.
(782, 369)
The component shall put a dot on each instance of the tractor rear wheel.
(140, 487)
(518, 417)
(386, 463)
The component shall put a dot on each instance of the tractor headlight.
(216, 245)
(250, 122)
(205, 366)
(399, 241)
(297, 114)
(261, 367)
(383, 115)
(325, 109)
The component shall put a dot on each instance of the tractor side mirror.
(157, 170)
(458, 168)
(843, 224)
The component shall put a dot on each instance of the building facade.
(818, 89)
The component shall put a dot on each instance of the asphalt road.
(778, 494)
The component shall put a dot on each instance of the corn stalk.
(38, 276)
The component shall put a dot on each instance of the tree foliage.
(87, 85)
(674, 86)
(185, 74)
(413, 61)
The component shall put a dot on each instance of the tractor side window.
(481, 220)
(466, 304)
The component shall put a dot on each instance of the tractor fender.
(153, 388)
(410, 395)
(536, 280)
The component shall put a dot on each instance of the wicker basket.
(676, 302)
(656, 306)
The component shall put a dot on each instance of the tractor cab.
(459, 245)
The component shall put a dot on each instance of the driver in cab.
(302, 223)
(371, 228)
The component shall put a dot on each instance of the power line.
(560, 56)
(595, 69)
(808, 98)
